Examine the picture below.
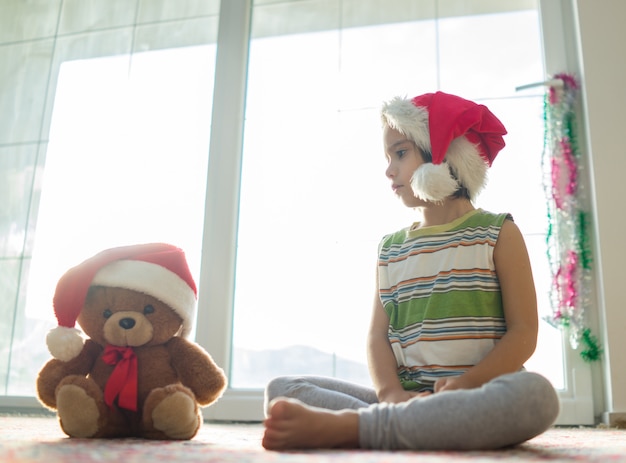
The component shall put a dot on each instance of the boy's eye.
(400, 153)
(148, 309)
(107, 313)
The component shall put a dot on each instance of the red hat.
(157, 269)
(463, 138)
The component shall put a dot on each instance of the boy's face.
(403, 159)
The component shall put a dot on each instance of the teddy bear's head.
(127, 318)
(128, 296)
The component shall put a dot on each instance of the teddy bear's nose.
(127, 323)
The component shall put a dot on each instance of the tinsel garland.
(567, 237)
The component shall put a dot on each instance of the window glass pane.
(314, 198)
(488, 55)
(126, 163)
(120, 116)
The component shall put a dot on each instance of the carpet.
(40, 440)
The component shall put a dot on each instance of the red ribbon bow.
(123, 381)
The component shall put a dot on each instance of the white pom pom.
(64, 343)
(433, 182)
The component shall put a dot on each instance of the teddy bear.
(132, 372)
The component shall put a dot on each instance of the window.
(314, 201)
(104, 141)
(126, 163)
(296, 198)
(314, 198)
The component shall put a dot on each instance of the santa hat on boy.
(157, 269)
(463, 138)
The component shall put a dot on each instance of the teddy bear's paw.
(177, 415)
(77, 411)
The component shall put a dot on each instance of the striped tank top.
(440, 289)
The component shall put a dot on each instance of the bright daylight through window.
(314, 198)
(110, 167)
(315, 201)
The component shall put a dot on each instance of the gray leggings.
(506, 411)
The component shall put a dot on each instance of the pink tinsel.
(566, 282)
(571, 291)
(560, 191)
(568, 157)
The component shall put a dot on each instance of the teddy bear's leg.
(83, 413)
(80, 407)
(171, 412)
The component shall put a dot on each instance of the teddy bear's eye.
(148, 309)
(107, 313)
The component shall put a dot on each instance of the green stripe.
(445, 305)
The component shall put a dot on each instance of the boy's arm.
(382, 362)
(520, 311)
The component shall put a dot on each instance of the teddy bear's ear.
(64, 343)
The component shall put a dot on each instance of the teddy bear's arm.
(55, 370)
(197, 370)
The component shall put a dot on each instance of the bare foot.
(294, 425)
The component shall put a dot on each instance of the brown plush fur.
(175, 376)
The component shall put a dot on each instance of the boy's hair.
(461, 137)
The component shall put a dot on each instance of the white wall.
(602, 45)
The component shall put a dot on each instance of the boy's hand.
(402, 396)
(451, 383)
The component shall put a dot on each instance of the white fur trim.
(433, 182)
(64, 343)
(402, 115)
(468, 165)
(152, 279)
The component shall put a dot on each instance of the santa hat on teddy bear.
(157, 269)
(463, 138)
